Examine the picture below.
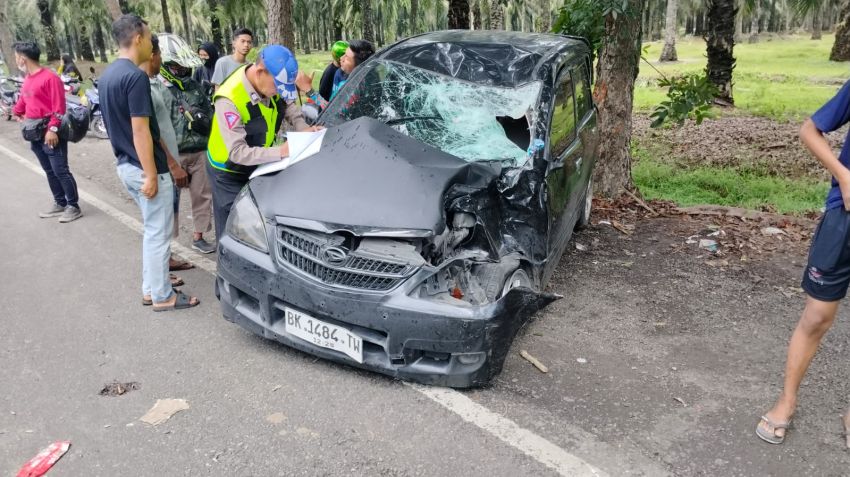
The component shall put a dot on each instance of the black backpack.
(75, 122)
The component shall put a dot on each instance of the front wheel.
(98, 127)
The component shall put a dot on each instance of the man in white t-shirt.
(243, 41)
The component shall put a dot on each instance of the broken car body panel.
(454, 168)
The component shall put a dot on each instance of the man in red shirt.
(43, 101)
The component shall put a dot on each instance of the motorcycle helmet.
(177, 56)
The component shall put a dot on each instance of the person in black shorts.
(827, 274)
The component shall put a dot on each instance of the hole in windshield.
(471, 121)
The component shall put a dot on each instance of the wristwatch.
(53, 129)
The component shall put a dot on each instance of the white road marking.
(509, 432)
(134, 224)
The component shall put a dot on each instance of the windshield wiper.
(408, 118)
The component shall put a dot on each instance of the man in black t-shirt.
(125, 99)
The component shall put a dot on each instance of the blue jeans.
(54, 161)
(158, 218)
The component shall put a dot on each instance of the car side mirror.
(310, 112)
(91, 69)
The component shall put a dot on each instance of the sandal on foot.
(148, 301)
(770, 435)
(182, 301)
(175, 280)
(179, 265)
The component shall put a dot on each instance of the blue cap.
(282, 65)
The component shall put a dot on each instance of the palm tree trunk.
(720, 40)
(114, 9)
(98, 41)
(754, 23)
(414, 17)
(545, 16)
(215, 25)
(187, 28)
(459, 15)
(816, 22)
(166, 19)
(85, 44)
(669, 51)
(739, 26)
(614, 94)
(70, 41)
(51, 47)
(497, 15)
(368, 27)
(841, 47)
(6, 39)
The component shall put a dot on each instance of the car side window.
(563, 130)
(582, 90)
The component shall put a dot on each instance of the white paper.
(301, 146)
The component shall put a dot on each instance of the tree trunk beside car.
(614, 95)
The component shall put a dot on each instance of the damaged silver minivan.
(420, 237)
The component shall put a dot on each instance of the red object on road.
(40, 464)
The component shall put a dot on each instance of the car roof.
(500, 58)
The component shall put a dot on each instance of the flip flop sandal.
(175, 280)
(182, 302)
(180, 266)
(770, 436)
(149, 302)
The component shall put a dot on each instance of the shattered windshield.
(471, 121)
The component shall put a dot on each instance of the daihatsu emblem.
(334, 256)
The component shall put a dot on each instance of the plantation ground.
(749, 156)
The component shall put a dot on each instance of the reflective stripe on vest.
(261, 123)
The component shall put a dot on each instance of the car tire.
(98, 127)
(587, 207)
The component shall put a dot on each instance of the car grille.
(303, 250)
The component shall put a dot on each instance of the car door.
(564, 162)
(586, 127)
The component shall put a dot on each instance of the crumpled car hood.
(369, 175)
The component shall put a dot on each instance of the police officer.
(250, 106)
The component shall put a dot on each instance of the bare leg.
(816, 320)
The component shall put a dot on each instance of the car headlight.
(245, 223)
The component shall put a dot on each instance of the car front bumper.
(404, 337)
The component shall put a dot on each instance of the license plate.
(323, 334)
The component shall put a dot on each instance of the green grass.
(783, 79)
(725, 186)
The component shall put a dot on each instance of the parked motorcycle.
(10, 89)
(92, 100)
(72, 85)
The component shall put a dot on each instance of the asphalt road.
(659, 365)
(72, 322)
